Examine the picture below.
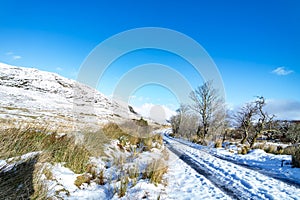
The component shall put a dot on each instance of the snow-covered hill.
(29, 94)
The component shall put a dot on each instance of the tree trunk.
(245, 137)
(224, 136)
(253, 141)
(198, 132)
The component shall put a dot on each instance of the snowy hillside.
(32, 95)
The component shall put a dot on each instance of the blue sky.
(255, 44)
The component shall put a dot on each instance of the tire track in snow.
(207, 174)
(189, 161)
(255, 168)
(236, 181)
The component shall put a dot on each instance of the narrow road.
(236, 181)
(255, 168)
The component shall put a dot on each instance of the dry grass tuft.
(133, 172)
(123, 186)
(155, 171)
(218, 144)
(146, 140)
(100, 178)
(95, 142)
(18, 141)
(85, 178)
(244, 150)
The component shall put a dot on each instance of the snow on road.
(243, 182)
(276, 166)
(185, 183)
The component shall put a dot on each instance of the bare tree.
(263, 120)
(253, 121)
(244, 120)
(175, 123)
(176, 120)
(184, 122)
(293, 133)
(209, 106)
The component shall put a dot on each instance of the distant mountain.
(31, 95)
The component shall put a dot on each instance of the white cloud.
(159, 113)
(284, 109)
(12, 55)
(59, 69)
(281, 71)
(16, 57)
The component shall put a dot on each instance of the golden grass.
(155, 171)
(123, 186)
(56, 149)
(244, 150)
(18, 141)
(84, 178)
(95, 142)
(113, 131)
(218, 144)
(269, 148)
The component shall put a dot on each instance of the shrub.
(194, 138)
(244, 150)
(279, 150)
(290, 150)
(259, 146)
(296, 158)
(113, 131)
(172, 135)
(218, 144)
(101, 177)
(141, 122)
(147, 143)
(85, 178)
(158, 138)
(271, 149)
